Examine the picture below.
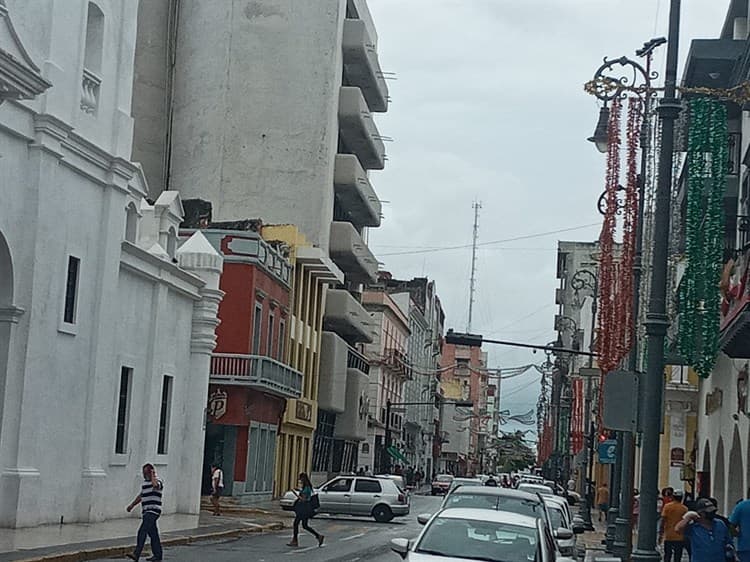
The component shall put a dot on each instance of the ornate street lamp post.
(615, 79)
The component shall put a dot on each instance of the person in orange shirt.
(674, 541)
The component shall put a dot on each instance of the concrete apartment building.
(273, 118)
(106, 321)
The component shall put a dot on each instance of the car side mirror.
(423, 518)
(563, 534)
(578, 529)
(400, 547)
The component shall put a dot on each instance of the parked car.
(397, 478)
(561, 518)
(463, 534)
(499, 499)
(376, 497)
(465, 482)
(536, 489)
(441, 484)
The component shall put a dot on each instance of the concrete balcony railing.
(333, 366)
(358, 131)
(351, 254)
(258, 372)
(346, 317)
(361, 65)
(354, 191)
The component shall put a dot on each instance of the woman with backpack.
(304, 509)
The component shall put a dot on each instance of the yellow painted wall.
(295, 441)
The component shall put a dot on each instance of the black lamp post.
(613, 80)
(600, 137)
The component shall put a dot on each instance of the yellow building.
(313, 271)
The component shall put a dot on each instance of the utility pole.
(656, 318)
(477, 205)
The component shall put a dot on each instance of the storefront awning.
(396, 454)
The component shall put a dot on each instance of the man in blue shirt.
(709, 537)
(740, 518)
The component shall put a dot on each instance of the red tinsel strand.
(606, 321)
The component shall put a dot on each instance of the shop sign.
(677, 457)
(713, 401)
(217, 404)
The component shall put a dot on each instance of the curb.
(121, 551)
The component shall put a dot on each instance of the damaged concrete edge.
(111, 551)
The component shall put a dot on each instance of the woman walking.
(303, 511)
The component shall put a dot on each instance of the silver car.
(460, 534)
(561, 517)
(374, 497)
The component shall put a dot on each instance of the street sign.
(607, 451)
(620, 407)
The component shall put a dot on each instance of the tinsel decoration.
(616, 318)
(699, 303)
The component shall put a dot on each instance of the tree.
(513, 453)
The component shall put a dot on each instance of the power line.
(493, 242)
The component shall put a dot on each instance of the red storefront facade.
(250, 381)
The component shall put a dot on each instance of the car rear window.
(556, 517)
(367, 486)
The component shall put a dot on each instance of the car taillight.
(401, 498)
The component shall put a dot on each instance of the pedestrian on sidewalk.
(150, 500)
(304, 510)
(217, 487)
(740, 521)
(671, 515)
(602, 500)
(710, 539)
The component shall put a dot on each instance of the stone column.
(198, 257)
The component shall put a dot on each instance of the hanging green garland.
(699, 290)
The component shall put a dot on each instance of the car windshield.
(471, 539)
(444, 478)
(520, 506)
(556, 517)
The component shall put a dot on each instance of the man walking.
(150, 500)
(217, 487)
(671, 515)
(709, 537)
(740, 520)
(602, 500)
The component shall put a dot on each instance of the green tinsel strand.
(699, 291)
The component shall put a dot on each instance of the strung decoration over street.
(615, 319)
(699, 298)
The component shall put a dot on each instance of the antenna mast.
(472, 284)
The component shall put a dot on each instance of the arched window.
(131, 224)
(94, 39)
(171, 243)
(92, 59)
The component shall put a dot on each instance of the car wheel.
(382, 513)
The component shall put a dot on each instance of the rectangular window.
(71, 290)
(166, 407)
(123, 407)
(281, 348)
(257, 328)
(269, 337)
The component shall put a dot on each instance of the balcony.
(90, 85)
(345, 316)
(361, 65)
(398, 363)
(257, 372)
(358, 131)
(333, 369)
(354, 192)
(351, 254)
(352, 424)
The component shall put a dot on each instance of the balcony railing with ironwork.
(356, 360)
(256, 371)
(398, 362)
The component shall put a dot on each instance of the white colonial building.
(106, 326)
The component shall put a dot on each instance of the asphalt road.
(347, 539)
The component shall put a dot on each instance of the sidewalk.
(74, 542)
(591, 541)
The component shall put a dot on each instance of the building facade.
(389, 371)
(102, 312)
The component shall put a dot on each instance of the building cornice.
(19, 77)
(155, 269)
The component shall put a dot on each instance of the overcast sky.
(489, 105)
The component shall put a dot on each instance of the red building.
(249, 380)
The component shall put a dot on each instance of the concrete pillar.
(198, 257)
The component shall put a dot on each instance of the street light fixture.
(600, 138)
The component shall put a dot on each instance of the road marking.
(352, 537)
(309, 548)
